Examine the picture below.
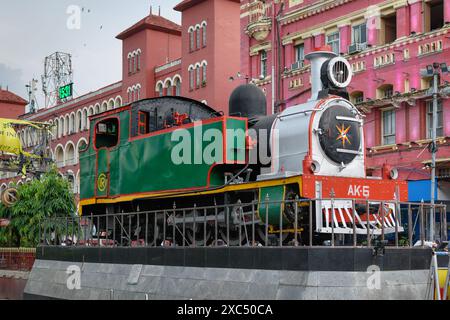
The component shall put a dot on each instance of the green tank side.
(160, 162)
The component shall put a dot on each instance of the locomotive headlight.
(338, 72)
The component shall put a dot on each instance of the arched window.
(71, 180)
(130, 66)
(160, 90)
(111, 104)
(78, 120)
(59, 156)
(204, 34)
(118, 102)
(191, 39)
(198, 78)
(72, 123)
(138, 56)
(199, 37)
(138, 92)
(84, 120)
(205, 65)
(191, 79)
(70, 155)
(55, 129)
(177, 85)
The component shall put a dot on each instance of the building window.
(385, 91)
(359, 34)
(299, 53)
(138, 61)
(333, 41)
(204, 35)
(263, 66)
(177, 87)
(199, 37)
(130, 64)
(389, 29)
(160, 90)
(138, 93)
(204, 74)
(191, 40)
(440, 120)
(191, 79)
(357, 97)
(434, 15)
(388, 126)
(198, 78)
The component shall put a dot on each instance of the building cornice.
(340, 21)
(49, 111)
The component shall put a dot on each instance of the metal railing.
(299, 222)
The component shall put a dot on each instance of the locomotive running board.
(335, 216)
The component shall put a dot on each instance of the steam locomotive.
(149, 155)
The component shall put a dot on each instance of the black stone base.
(266, 258)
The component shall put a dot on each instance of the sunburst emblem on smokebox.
(343, 134)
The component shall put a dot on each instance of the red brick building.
(11, 105)
(159, 57)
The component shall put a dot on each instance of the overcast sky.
(30, 30)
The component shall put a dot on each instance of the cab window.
(107, 133)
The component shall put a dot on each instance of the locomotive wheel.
(199, 235)
(289, 207)
(260, 232)
(152, 234)
(234, 236)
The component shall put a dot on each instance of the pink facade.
(386, 42)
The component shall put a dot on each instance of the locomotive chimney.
(317, 58)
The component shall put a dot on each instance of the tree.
(50, 196)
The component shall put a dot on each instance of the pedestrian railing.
(297, 222)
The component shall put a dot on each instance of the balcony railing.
(168, 65)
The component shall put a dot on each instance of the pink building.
(159, 58)
(387, 44)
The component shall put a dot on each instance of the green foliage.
(49, 197)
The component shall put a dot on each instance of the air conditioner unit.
(353, 48)
(357, 47)
(297, 65)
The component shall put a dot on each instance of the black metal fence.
(300, 222)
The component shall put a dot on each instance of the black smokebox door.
(339, 139)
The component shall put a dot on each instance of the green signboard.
(66, 91)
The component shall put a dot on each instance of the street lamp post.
(433, 149)
(434, 71)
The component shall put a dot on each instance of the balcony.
(259, 21)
